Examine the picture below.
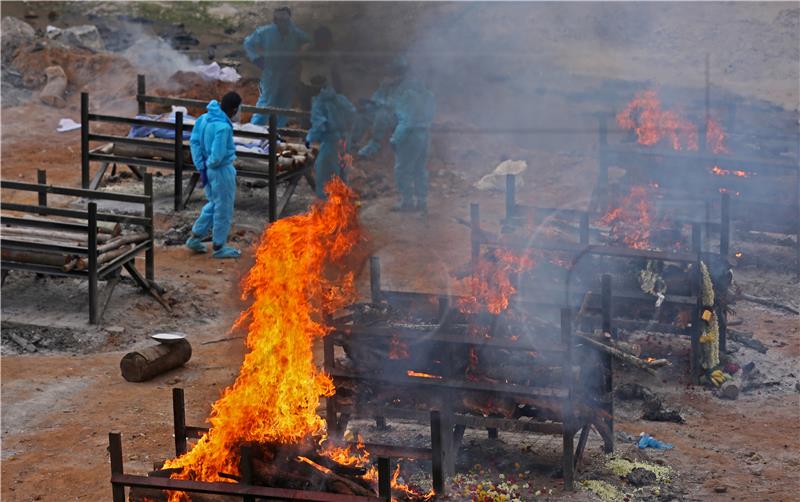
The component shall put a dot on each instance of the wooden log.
(41, 234)
(114, 253)
(103, 227)
(144, 364)
(608, 348)
(50, 260)
(53, 92)
(272, 475)
(25, 344)
(334, 480)
(122, 240)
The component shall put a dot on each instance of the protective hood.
(215, 113)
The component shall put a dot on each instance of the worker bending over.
(403, 103)
(213, 153)
(331, 119)
(275, 49)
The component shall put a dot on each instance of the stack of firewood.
(111, 243)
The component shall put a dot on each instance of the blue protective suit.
(280, 76)
(381, 113)
(331, 119)
(414, 108)
(213, 151)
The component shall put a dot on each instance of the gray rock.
(15, 32)
(729, 390)
(86, 36)
(641, 477)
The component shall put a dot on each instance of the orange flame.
(295, 280)
(412, 493)
(727, 172)
(652, 124)
(418, 374)
(630, 222)
(715, 137)
(726, 190)
(345, 158)
(490, 284)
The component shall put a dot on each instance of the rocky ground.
(519, 82)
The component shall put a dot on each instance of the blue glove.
(203, 178)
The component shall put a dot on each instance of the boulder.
(15, 32)
(86, 36)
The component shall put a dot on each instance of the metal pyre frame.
(582, 247)
(83, 222)
(159, 479)
(176, 155)
(566, 394)
(765, 198)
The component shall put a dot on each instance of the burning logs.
(301, 466)
(149, 362)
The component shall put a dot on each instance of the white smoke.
(154, 56)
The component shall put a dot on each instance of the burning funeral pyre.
(299, 277)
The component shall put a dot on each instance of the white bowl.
(168, 338)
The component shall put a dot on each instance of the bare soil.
(541, 70)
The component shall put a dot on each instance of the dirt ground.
(536, 71)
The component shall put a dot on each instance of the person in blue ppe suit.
(213, 153)
(331, 119)
(405, 104)
(275, 49)
(414, 109)
(379, 110)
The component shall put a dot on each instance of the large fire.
(630, 222)
(490, 285)
(653, 124)
(298, 277)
